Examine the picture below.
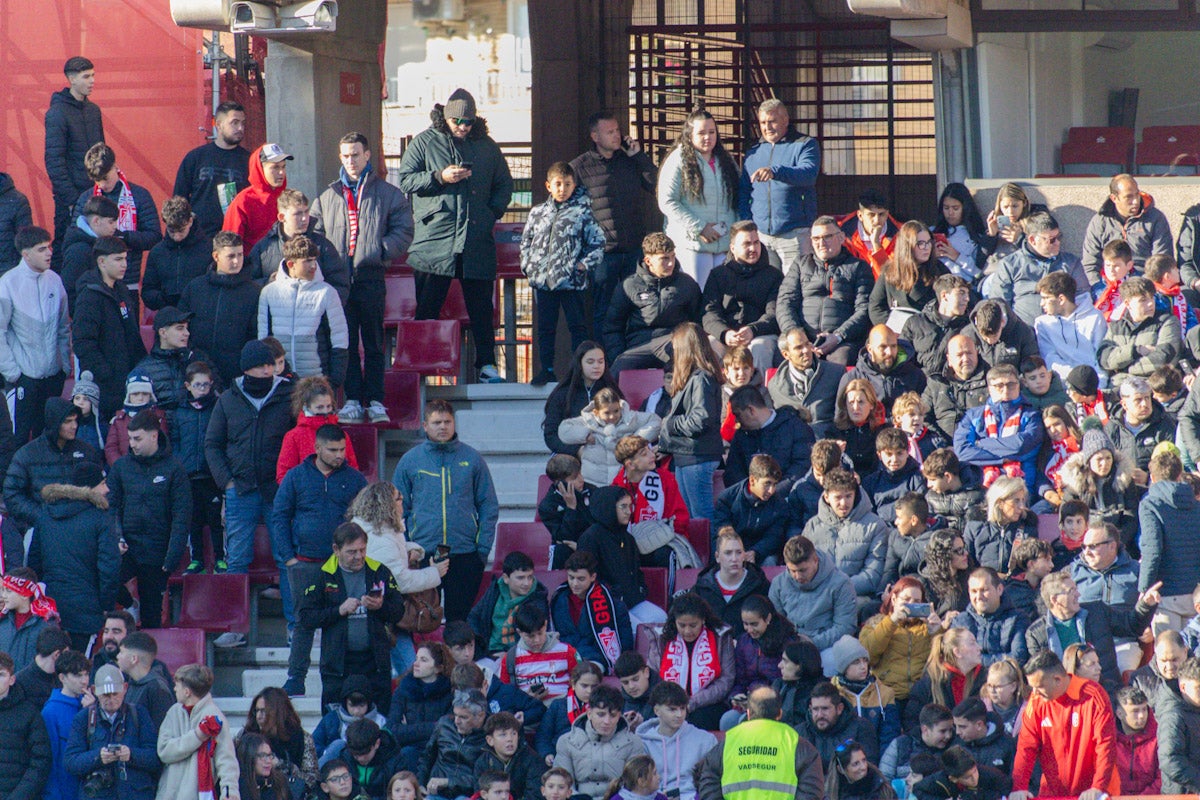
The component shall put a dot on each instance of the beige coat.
(177, 746)
(391, 549)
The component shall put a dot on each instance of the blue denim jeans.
(696, 486)
(243, 513)
(404, 653)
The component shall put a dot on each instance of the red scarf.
(1110, 303)
(351, 218)
(41, 605)
(1098, 409)
(695, 673)
(1012, 426)
(1062, 451)
(958, 681)
(575, 709)
(1179, 306)
(205, 781)
(914, 445)
(126, 208)
(603, 621)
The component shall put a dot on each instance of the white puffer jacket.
(292, 311)
(600, 465)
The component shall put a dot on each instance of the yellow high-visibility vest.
(759, 762)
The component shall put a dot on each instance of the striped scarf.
(1011, 427)
(352, 218)
(126, 208)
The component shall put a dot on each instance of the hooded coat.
(151, 497)
(106, 339)
(301, 441)
(1169, 539)
(675, 756)
(416, 708)
(599, 464)
(646, 307)
(72, 127)
(824, 609)
(15, 214)
(42, 462)
(594, 761)
(897, 653)
(306, 316)
(172, 265)
(1147, 233)
(1115, 497)
(561, 243)
(615, 550)
(454, 219)
(858, 544)
(264, 260)
(1137, 760)
(254, 210)
(74, 551)
(225, 309)
(762, 524)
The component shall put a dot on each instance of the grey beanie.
(846, 651)
(461, 104)
(1093, 442)
(86, 385)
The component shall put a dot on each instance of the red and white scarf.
(1179, 306)
(914, 444)
(651, 501)
(1062, 451)
(351, 218)
(41, 605)
(575, 709)
(205, 781)
(126, 208)
(1011, 427)
(1110, 303)
(693, 674)
(602, 617)
(1098, 409)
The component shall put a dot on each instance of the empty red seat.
(685, 579)
(365, 439)
(400, 303)
(542, 490)
(263, 569)
(430, 347)
(773, 572)
(551, 579)
(149, 336)
(1169, 149)
(508, 250)
(638, 384)
(530, 538)
(698, 535)
(1104, 151)
(216, 603)
(402, 399)
(656, 585)
(179, 646)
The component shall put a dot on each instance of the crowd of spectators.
(953, 554)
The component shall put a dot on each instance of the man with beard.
(211, 175)
(118, 624)
(804, 381)
(739, 298)
(889, 364)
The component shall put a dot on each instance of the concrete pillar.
(319, 87)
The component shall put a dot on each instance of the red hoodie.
(254, 210)
(301, 441)
(1075, 737)
(1137, 760)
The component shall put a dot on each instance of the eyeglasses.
(466, 122)
(924, 242)
(260, 710)
(1097, 545)
(1053, 239)
(1005, 385)
(267, 756)
(201, 384)
(343, 777)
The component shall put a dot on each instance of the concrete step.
(499, 430)
(516, 477)
(482, 392)
(255, 680)
(260, 656)
(308, 708)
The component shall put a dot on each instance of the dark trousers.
(651, 355)
(151, 585)
(206, 510)
(301, 576)
(477, 296)
(63, 217)
(614, 268)
(12, 540)
(548, 304)
(461, 584)
(29, 404)
(358, 662)
(364, 320)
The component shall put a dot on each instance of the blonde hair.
(376, 505)
(909, 403)
(942, 653)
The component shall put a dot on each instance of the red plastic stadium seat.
(638, 384)
(530, 538)
(1169, 149)
(685, 579)
(179, 646)
(263, 569)
(216, 603)
(656, 585)
(508, 250)
(402, 399)
(149, 336)
(698, 535)
(551, 579)
(430, 347)
(1048, 530)
(643, 636)
(365, 439)
(771, 572)
(542, 490)
(1104, 151)
(401, 300)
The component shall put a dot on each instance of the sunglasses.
(464, 121)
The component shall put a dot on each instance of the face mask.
(257, 387)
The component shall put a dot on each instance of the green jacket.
(455, 219)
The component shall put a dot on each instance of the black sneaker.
(543, 377)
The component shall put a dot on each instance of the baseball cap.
(170, 315)
(272, 153)
(108, 680)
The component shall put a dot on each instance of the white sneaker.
(376, 413)
(229, 639)
(489, 374)
(351, 412)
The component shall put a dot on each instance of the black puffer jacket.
(77, 260)
(905, 374)
(74, 551)
(738, 295)
(691, 431)
(886, 296)
(616, 186)
(106, 339)
(452, 756)
(990, 543)
(187, 424)
(166, 368)
(14, 215)
(827, 297)
(172, 265)
(929, 332)
(24, 748)
(1179, 746)
(242, 443)
(730, 609)
(263, 261)
(42, 462)
(72, 126)
(226, 317)
(645, 307)
(1017, 341)
(151, 497)
(416, 708)
(1160, 427)
(787, 438)
(949, 398)
(955, 507)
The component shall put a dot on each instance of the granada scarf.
(42, 606)
(1012, 426)
(1062, 451)
(602, 618)
(695, 673)
(1110, 303)
(1098, 409)
(126, 208)
(1177, 305)
(575, 709)
(204, 758)
(914, 444)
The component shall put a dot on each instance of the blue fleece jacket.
(58, 713)
(449, 497)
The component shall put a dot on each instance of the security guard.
(762, 758)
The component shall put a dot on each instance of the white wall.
(1004, 119)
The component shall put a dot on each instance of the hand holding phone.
(467, 164)
(441, 552)
(919, 610)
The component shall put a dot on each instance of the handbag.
(422, 611)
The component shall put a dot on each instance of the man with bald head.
(1127, 214)
(961, 385)
(890, 364)
(1159, 680)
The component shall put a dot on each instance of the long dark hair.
(903, 270)
(693, 605)
(939, 566)
(691, 176)
(572, 382)
(779, 630)
(972, 220)
(282, 723)
(247, 754)
(692, 352)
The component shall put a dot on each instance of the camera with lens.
(99, 782)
